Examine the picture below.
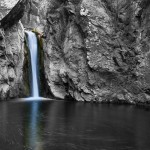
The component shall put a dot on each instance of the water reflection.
(33, 128)
(49, 125)
(4, 117)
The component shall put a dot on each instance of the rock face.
(95, 50)
(11, 57)
(35, 15)
(98, 50)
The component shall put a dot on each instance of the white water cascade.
(32, 44)
(33, 48)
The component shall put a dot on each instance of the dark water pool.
(55, 125)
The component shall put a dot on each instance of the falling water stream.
(32, 44)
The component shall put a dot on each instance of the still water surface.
(58, 125)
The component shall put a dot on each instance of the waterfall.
(33, 48)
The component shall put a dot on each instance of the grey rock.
(93, 50)
(96, 52)
(11, 66)
(35, 15)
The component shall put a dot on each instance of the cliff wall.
(94, 50)
(98, 50)
(11, 56)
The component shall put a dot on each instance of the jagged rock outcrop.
(35, 15)
(95, 50)
(15, 14)
(11, 57)
(98, 50)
